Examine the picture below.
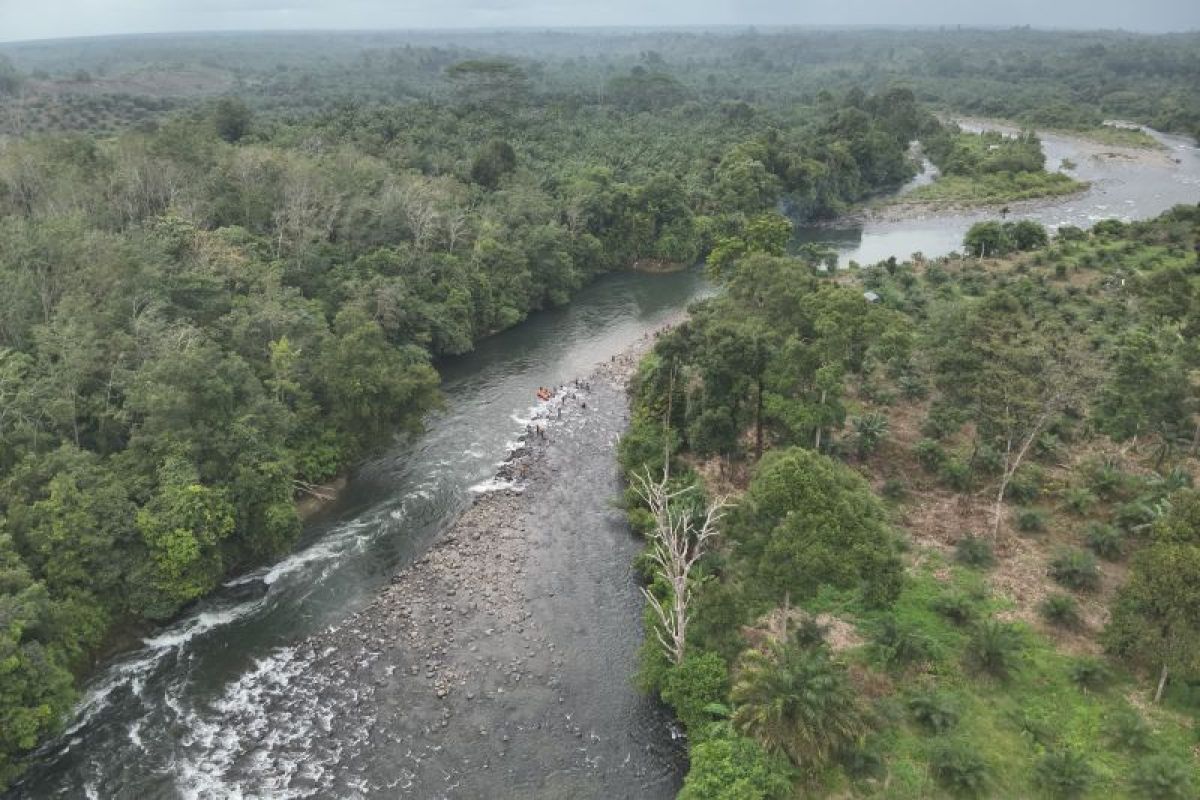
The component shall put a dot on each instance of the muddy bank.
(487, 667)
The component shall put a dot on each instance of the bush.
(1090, 674)
(1075, 569)
(1031, 520)
(900, 645)
(1136, 514)
(1129, 731)
(940, 423)
(870, 430)
(956, 607)
(692, 687)
(1106, 481)
(995, 648)
(913, 387)
(1079, 500)
(974, 551)
(960, 769)
(1025, 485)
(935, 711)
(894, 489)
(1064, 773)
(1060, 610)
(930, 454)
(1105, 541)
(955, 474)
(1163, 778)
(734, 768)
(987, 460)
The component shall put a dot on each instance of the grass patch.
(993, 189)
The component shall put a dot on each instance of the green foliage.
(692, 687)
(1075, 569)
(1090, 674)
(995, 648)
(1031, 520)
(901, 645)
(1061, 610)
(1105, 541)
(938, 712)
(807, 521)
(1065, 773)
(960, 769)
(1129, 730)
(870, 430)
(1156, 616)
(931, 454)
(1163, 778)
(231, 118)
(1079, 500)
(798, 701)
(731, 767)
(957, 607)
(974, 551)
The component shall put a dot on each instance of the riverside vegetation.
(202, 321)
(959, 546)
(228, 263)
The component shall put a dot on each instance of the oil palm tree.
(796, 700)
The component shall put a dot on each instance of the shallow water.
(1125, 184)
(196, 711)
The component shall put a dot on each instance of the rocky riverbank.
(478, 662)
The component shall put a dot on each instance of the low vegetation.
(996, 642)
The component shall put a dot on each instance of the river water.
(1125, 184)
(210, 705)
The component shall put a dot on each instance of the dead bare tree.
(676, 545)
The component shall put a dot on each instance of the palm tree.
(797, 701)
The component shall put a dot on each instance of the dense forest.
(897, 505)
(229, 265)
(1063, 79)
(201, 321)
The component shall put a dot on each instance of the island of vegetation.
(987, 168)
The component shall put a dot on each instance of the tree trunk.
(1162, 683)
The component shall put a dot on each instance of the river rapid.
(383, 659)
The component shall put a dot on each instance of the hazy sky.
(36, 19)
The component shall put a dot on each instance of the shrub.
(995, 648)
(1064, 773)
(1075, 569)
(974, 551)
(1128, 730)
(869, 432)
(734, 768)
(1060, 610)
(1136, 514)
(1025, 485)
(894, 489)
(1079, 500)
(1163, 777)
(987, 460)
(1031, 520)
(930, 454)
(1090, 674)
(955, 474)
(913, 387)
(940, 423)
(936, 711)
(692, 687)
(798, 701)
(956, 607)
(900, 645)
(1106, 480)
(960, 769)
(864, 761)
(1105, 541)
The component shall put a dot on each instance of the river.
(229, 702)
(1125, 183)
